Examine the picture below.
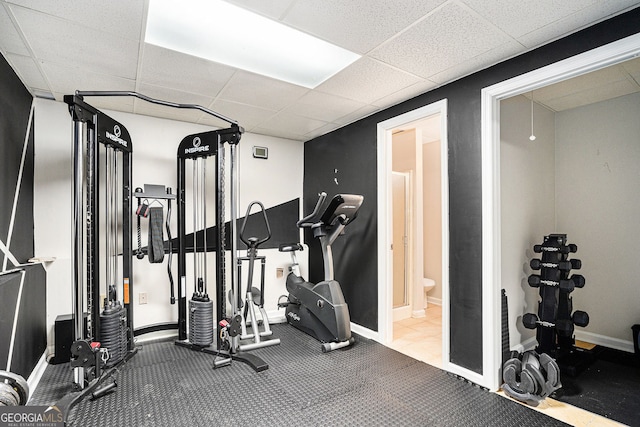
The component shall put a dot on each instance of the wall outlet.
(279, 272)
(142, 298)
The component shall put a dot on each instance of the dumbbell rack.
(555, 321)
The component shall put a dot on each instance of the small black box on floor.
(636, 339)
(63, 330)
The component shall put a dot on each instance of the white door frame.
(595, 59)
(385, 261)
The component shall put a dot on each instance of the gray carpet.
(365, 385)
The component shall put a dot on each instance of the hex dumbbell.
(537, 264)
(564, 327)
(580, 318)
(564, 249)
(565, 285)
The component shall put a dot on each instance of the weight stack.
(113, 332)
(201, 322)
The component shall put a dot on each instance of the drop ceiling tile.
(273, 9)
(578, 84)
(593, 95)
(153, 110)
(75, 44)
(329, 127)
(10, 40)
(292, 123)
(486, 59)
(357, 25)
(67, 79)
(445, 39)
(631, 66)
(279, 133)
(28, 71)
(594, 12)
(264, 92)
(175, 70)
(367, 80)
(172, 95)
(404, 94)
(323, 106)
(111, 103)
(365, 111)
(517, 18)
(246, 115)
(121, 17)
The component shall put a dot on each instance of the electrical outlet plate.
(142, 298)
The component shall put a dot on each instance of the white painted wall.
(273, 181)
(527, 193)
(598, 206)
(579, 177)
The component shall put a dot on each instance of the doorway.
(412, 126)
(596, 59)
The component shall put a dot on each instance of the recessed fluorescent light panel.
(224, 33)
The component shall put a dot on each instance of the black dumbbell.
(565, 285)
(580, 318)
(564, 327)
(564, 249)
(537, 264)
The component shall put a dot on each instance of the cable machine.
(197, 149)
(102, 258)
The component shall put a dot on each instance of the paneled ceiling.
(408, 47)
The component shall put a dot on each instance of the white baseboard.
(434, 301)
(416, 314)
(526, 345)
(605, 341)
(276, 316)
(365, 332)
(156, 336)
(589, 337)
(37, 373)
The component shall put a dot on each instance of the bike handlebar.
(303, 223)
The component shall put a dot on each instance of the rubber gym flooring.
(610, 387)
(365, 385)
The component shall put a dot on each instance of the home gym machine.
(102, 256)
(197, 149)
(320, 309)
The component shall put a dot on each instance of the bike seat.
(290, 247)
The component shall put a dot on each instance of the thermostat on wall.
(260, 152)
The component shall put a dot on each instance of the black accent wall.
(349, 155)
(30, 337)
(15, 104)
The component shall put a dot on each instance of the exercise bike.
(320, 309)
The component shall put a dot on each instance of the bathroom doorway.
(415, 243)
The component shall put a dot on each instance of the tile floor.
(421, 338)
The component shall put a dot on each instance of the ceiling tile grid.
(408, 48)
(57, 40)
(446, 38)
(357, 25)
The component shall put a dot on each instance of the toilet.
(427, 284)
